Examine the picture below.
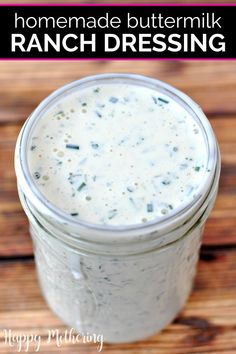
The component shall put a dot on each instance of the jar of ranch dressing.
(117, 174)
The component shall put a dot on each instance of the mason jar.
(124, 282)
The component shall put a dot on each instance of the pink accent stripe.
(119, 4)
(113, 59)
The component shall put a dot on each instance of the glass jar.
(123, 282)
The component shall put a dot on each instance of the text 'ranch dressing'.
(117, 154)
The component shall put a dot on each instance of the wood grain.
(25, 84)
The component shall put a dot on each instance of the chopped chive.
(163, 100)
(98, 114)
(94, 145)
(84, 104)
(170, 207)
(113, 99)
(96, 90)
(165, 182)
(112, 213)
(149, 207)
(130, 189)
(107, 278)
(81, 186)
(37, 175)
(74, 214)
(197, 168)
(33, 147)
(60, 113)
(72, 146)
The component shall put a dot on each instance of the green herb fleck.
(163, 100)
(197, 168)
(107, 278)
(94, 145)
(74, 214)
(60, 113)
(98, 114)
(37, 175)
(72, 146)
(130, 189)
(175, 149)
(81, 186)
(96, 90)
(166, 182)
(149, 207)
(112, 213)
(156, 99)
(33, 147)
(84, 104)
(113, 99)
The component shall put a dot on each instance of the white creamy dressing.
(117, 154)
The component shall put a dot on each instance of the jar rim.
(48, 209)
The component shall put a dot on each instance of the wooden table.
(208, 322)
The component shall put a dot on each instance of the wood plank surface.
(24, 84)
